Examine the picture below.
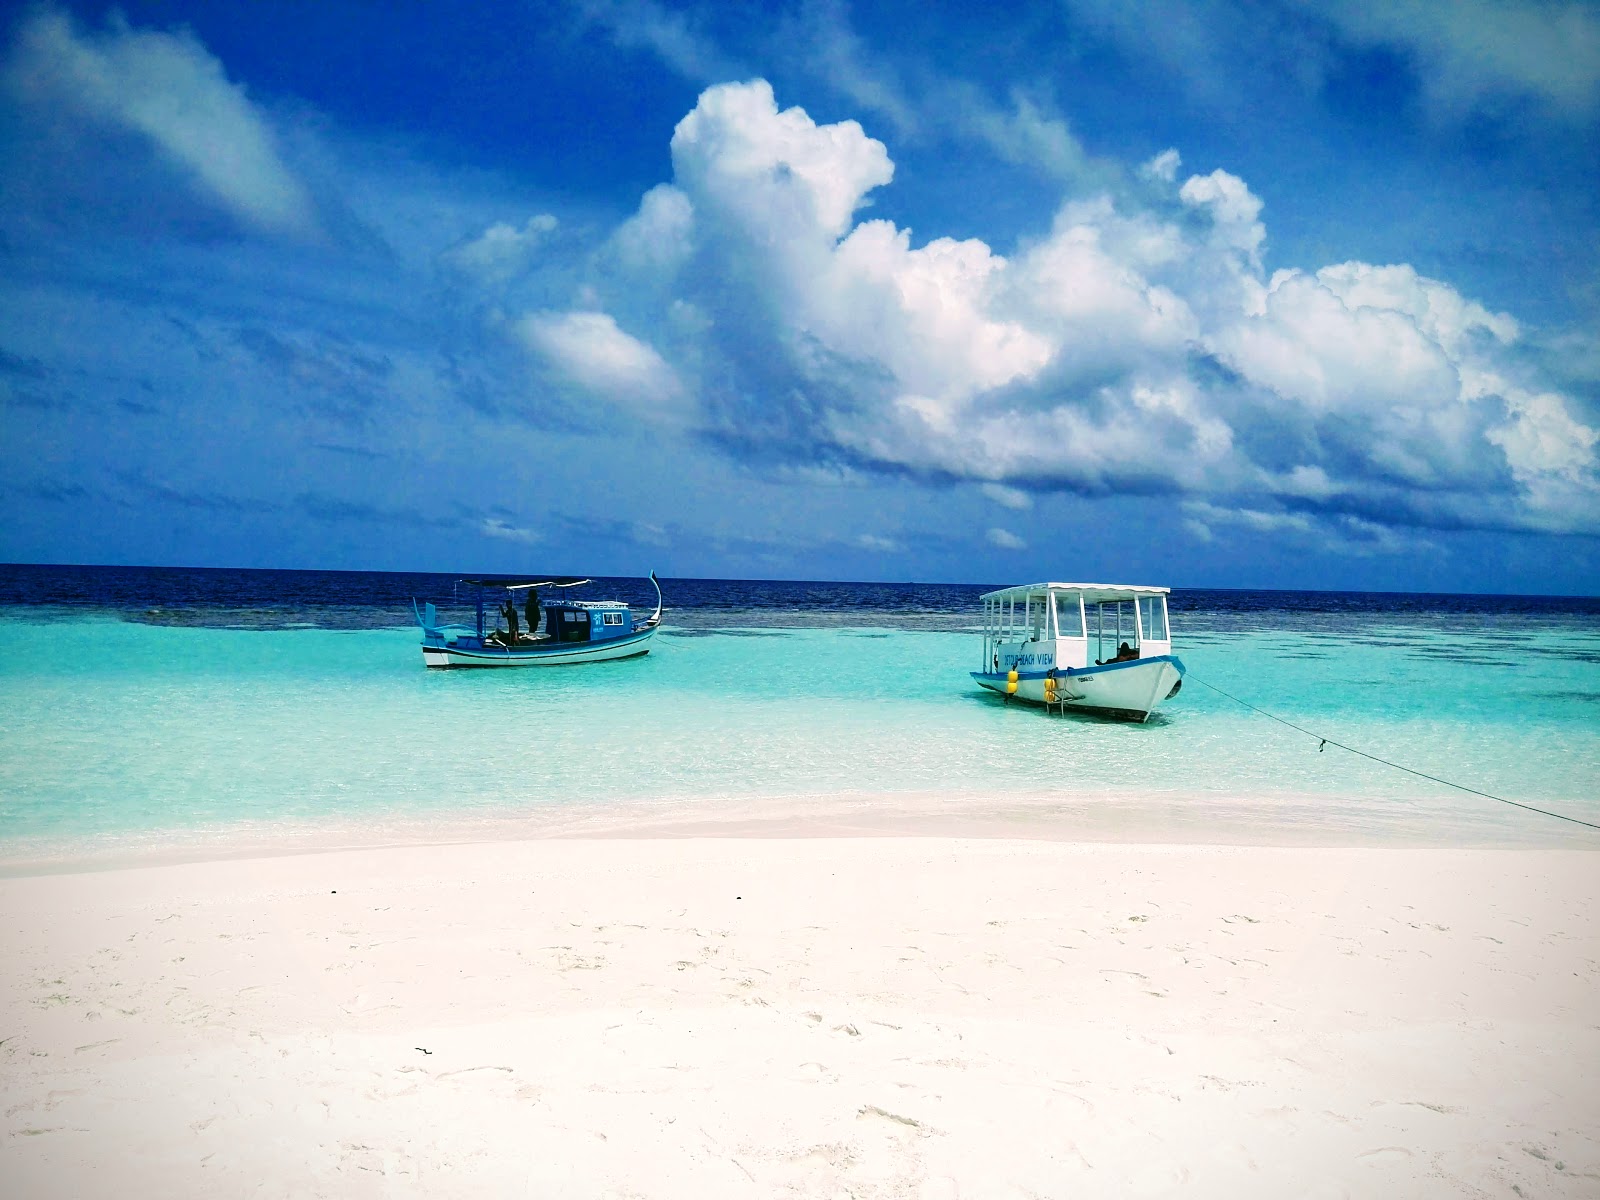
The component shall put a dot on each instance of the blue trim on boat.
(1080, 672)
(555, 650)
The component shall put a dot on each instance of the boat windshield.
(1114, 628)
(1113, 622)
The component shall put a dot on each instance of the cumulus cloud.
(501, 252)
(769, 171)
(1234, 211)
(657, 237)
(1137, 346)
(591, 350)
(168, 89)
(1163, 166)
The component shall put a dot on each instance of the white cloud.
(1025, 134)
(1211, 515)
(646, 533)
(659, 236)
(1235, 211)
(1089, 285)
(592, 351)
(645, 25)
(1006, 540)
(168, 88)
(1163, 166)
(838, 57)
(1007, 497)
(772, 172)
(1130, 349)
(782, 191)
(496, 528)
(1469, 55)
(1341, 534)
(1472, 51)
(1442, 313)
(875, 542)
(502, 251)
(1025, 130)
(1547, 439)
(928, 314)
(1311, 346)
(1407, 373)
(1207, 44)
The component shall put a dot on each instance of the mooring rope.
(1326, 742)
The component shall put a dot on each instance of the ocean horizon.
(173, 709)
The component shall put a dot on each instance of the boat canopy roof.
(512, 583)
(1093, 593)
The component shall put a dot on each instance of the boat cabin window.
(574, 625)
(1153, 617)
(1038, 630)
(613, 619)
(1069, 615)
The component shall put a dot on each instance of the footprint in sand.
(1384, 1156)
(815, 1072)
(872, 1110)
(1234, 1154)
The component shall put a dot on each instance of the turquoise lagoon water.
(121, 734)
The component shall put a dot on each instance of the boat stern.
(437, 639)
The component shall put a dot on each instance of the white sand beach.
(793, 1016)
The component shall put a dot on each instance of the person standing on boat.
(531, 609)
(510, 614)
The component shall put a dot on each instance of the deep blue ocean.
(144, 709)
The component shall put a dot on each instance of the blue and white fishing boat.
(516, 629)
(1094, 647)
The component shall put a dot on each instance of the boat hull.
(1128, 691)
(551, 654)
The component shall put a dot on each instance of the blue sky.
(1267, 294)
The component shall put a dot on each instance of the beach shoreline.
(1288, 819)
(818, 1015)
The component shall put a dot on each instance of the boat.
(1089, 647)
(550, 633)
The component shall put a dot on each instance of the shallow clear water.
(131, 731)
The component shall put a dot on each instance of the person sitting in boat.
(1124, 653)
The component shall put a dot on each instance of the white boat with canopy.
(1096, 647)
